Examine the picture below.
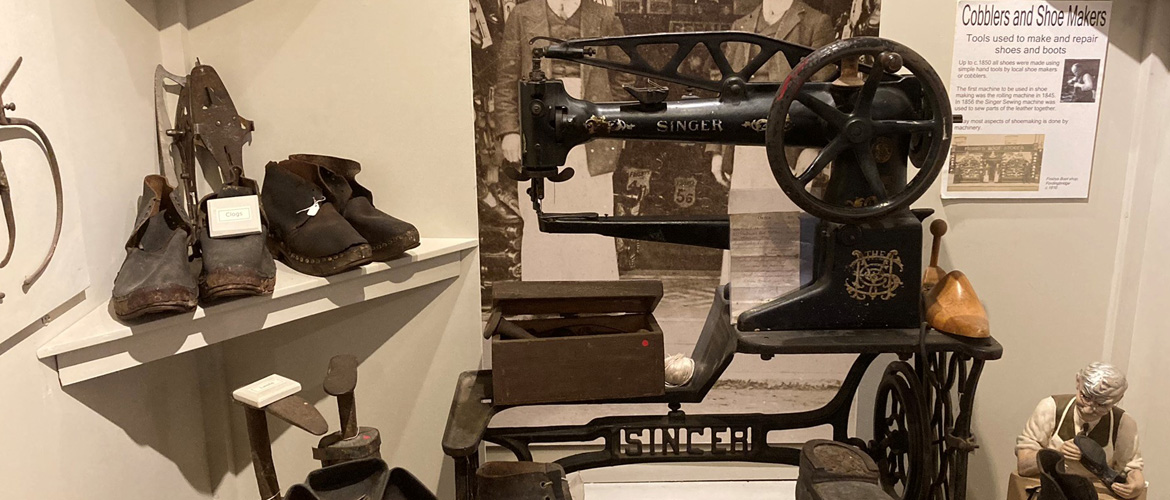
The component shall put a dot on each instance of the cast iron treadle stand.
(921, 443)
(886, 137)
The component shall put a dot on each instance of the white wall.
(1140, 343)
(168, 428)
(1045, 270)
(130, 435)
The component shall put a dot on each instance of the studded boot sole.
(351, 258)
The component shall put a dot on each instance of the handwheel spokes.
(889, 127)
(868, 91)
(826, 156)
(869, 169)
(870, 115)
(823, 109)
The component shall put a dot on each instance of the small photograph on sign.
(1080, 80)
(996, 162)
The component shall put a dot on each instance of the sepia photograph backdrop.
(640, 177)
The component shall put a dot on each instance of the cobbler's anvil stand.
(864, 300)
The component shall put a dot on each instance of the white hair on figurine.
(1102, 382)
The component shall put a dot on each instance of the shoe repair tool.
(496, 324)
(11, 121)
(953, 307)
(352, 477)
(9, 216)
(351, 442)
(167, 137)
(206, 118)
(886, 134)
(933, 273)
(276, 395)
(216, 125)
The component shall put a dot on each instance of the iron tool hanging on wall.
(5, 192)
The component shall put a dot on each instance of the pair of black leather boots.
(323, 222)
(156, 275)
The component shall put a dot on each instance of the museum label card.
(233, 216)
(1026, 76)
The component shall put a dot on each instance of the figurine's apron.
(544, 256)
(1056, 440)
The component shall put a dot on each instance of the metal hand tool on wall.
(165, 131)
(9, 216)
(206, 118)
(12, 121)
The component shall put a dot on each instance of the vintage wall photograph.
(639, 177)
(995, 162)
(1081, 77)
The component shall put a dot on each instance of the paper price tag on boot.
(235, 216)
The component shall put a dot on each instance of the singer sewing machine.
(880, 116)
(883, 139)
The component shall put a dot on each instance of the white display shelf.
(99, 344)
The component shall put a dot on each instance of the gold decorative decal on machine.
(868, 201)
(598, 125)
(758, 125)
(620, 125)
(875, 274)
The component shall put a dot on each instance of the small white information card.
(235, 216)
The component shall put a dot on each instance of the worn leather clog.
(389, 237)
(234, 265)
(155, 277)
(305, 230)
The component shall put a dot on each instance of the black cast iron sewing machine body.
(883, 138)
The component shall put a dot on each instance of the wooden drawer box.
(574, 341)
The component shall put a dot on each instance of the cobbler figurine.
(1089, 428)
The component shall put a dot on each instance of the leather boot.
(155, 277)
(521, 481)
(304, 228)
(234, 265)
(388, 236)
(1056, 483)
